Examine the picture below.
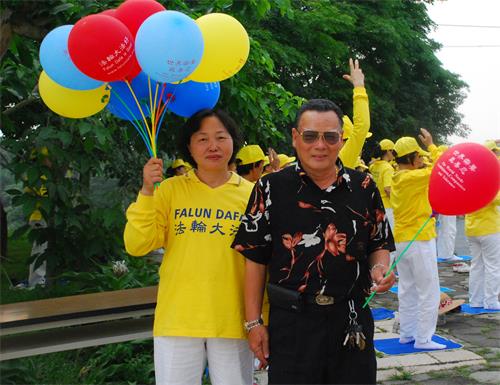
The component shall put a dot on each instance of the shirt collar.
(235, 179)
(342, 176)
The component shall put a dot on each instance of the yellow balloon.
(226, 48)
(72, 103)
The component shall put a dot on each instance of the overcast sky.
(479, 67)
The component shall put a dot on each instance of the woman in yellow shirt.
(200, 309)
(418, 288)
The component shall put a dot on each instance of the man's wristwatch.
(249, 325)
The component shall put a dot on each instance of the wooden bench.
(57, 324)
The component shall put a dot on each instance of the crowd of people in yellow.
(269, 256)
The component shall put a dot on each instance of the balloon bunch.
(138, 61)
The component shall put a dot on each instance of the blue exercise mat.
(382, 313)
(466, 308)
(463, 258)
(391, 346)
(443, 289)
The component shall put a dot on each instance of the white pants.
(484, 276)
(446, 234)
(418, 290)
(389, 213)
(182, 360)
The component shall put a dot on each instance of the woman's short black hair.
(379, 153)
(247, 168)
(407, 159)
(193, 124)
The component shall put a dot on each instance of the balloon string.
(165, 106)
(399, 258)
(143, 117)
(151, 113)
(137, 125)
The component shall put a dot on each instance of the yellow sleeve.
(146, 224)
(386, 177)
(361, 117)
(435, 153)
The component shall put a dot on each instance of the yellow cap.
(386, 144)
(267, 161)
(178, 163)
(285, 159)
(406, 145)
(250, 154)
(361, 163)
(491, 145)
(349, 127)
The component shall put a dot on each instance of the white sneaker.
(461, 267)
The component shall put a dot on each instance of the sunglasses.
(310, 136)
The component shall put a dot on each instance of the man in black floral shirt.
(319, 229)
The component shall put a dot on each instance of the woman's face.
(212, 145)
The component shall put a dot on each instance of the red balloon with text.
(465, 178)
(101, 47)
(133, 13)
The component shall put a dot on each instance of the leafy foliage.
(125, 363)
(299, 49)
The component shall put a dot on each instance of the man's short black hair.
(193, 124)
(320, 105)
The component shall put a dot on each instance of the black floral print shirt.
(315, 240)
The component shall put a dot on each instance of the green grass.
(402, 375)
(439, 374)
(483, 351)
(379, 354)
(463, 371)
(62, 368)
(16, 264)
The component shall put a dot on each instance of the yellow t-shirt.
(201, 277)
(485, 221)
(361, 118)
(382, 172)
(410, 203)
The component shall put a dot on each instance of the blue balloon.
(122, 103)
(191, 97)
(169, 46)
(56, 62)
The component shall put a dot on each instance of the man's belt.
(321, 299)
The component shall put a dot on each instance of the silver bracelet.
(377, 265)
(249, 325)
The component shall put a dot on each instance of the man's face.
(317, 155)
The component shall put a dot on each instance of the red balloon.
(136, 68)
(465, 178)
(101, 47)
(108, 12)
(133, 13)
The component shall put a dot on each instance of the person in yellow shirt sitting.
(418, 288)
(200, 311)
(250, 162)
(179, 167)
(482, 229)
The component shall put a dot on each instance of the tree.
(299, 49)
